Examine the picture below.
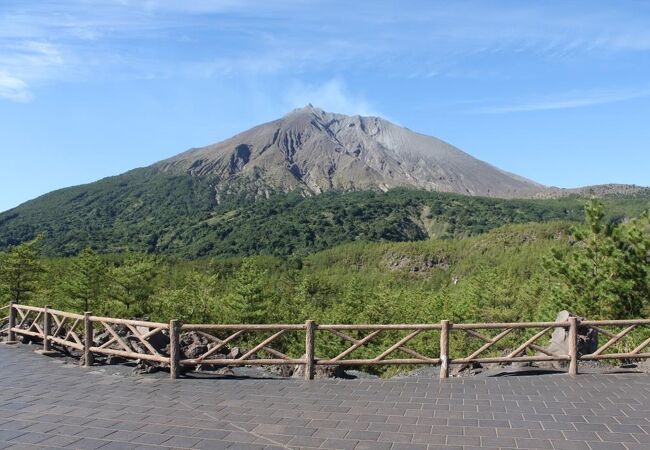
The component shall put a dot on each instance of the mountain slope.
(313, 151)
(254, 194)
(178, 215)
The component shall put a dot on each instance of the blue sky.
(557, 91)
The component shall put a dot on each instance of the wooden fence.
(78, 332)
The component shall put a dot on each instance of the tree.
(85, 282)
(132, 283)
(21, 270)
(197, 300)
(605, 275)
(246, 302)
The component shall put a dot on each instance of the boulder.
(143, 367)
(298, 371)
(643, 366)
(465, 370)
(235, 353)
(104, 336)
(281, 370)
(224, 371)
(158, 340)
(193, 345)
(329, 371)
(112, 360)
(587, 341)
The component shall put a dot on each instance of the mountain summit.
(255, 194)
(314, 151)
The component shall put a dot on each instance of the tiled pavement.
(44, 403)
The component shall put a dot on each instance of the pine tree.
(132, 283)
(85, 283)
(21, 270)
(605, 276)
(246, 302)
(196, 299)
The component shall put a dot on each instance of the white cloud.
(14, 89)
(129, 38)
(569, 100)
(332, 96)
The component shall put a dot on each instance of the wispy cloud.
(14, 89)
(24, 62)
(332, 95)
(229, 38)
(568, 100)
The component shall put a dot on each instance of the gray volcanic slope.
(315, 151)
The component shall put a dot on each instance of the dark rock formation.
(587, 341)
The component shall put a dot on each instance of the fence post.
(174, 348)
(11, 338)
(47, 328)
(88, 339)
(310, 328)
(444, 349)
(573, 346)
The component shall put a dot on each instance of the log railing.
(404, 334)
(4, 321)
(616, 331)
(136, 346)
(261, 352)
(327, 345)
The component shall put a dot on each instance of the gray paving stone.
(606, 446)
(151, 439)
(330, 433)
(59, 441)
(388, 436)
(342, 444)
(241, 437)
(569, 445)
(88, 410)
(30, 438)
(210, 434)
(246, 446)
(89, 444)
(123, 436)
(373, 445)
(363, 435)
(306, 441)
(181, 442)
(401, 446)
(211, 444)
(463, 440)
(533, 443)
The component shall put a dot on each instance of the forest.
(179, 216)
(518, 272)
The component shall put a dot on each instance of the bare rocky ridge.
(315, 151)
(600, 190)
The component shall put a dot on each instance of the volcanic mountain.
(314, 151)
(305, 182)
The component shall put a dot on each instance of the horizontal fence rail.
(308, 346)
(4, 321)
(261, 352)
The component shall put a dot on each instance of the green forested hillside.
(517, 272)
(179, 215)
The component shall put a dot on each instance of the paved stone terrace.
(46, 404)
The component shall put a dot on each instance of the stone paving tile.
(372, 445)
(89, 444)
(84, 409)
(30, 438)
(181, 441)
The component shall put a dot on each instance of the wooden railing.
(234, 333)
(503, 343)
(4, 321)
